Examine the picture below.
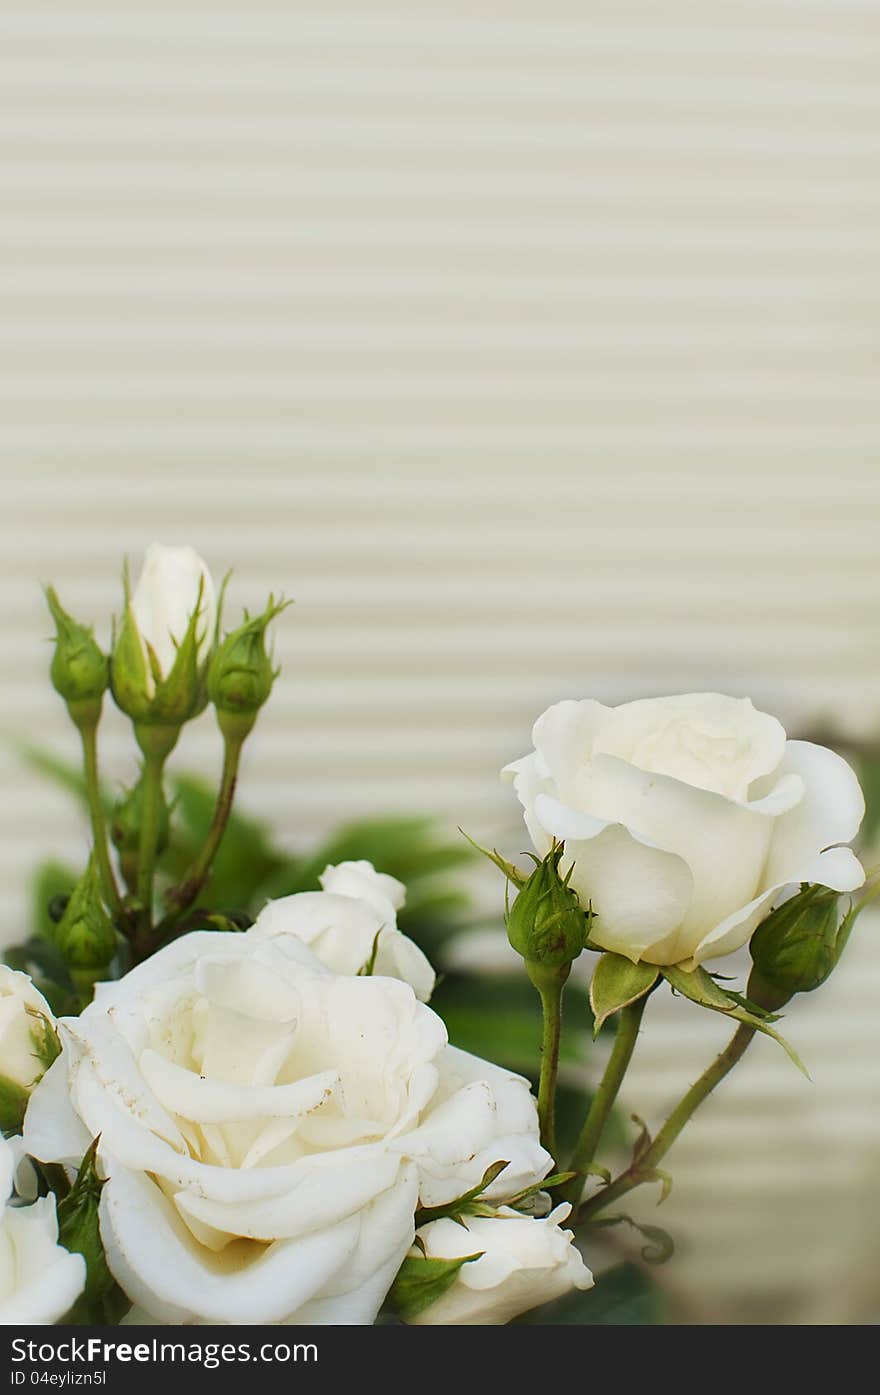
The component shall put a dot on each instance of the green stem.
(89, 734)
(628, 1026)
(642, 1168)
(550, 985)
(182, 896)
(154, 764)
(157, 742)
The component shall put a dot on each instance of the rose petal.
(361, 881)
(45, 1279)
(707, 740)
(53, 1131)
(206, 1101)
(639, 892)
(355, 1295)
(162, 1268)
(723, 843)
(830, 812)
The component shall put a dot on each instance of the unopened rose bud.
(797, 946)
(85, 935)
(546, 924)
(79, 671)
(241, 673)
(161, 645)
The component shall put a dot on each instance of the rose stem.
(183, 895)
(550, 985)
(641, 1168)
(156, 742)
(605, 1096)
(152, 790)
(88, 734)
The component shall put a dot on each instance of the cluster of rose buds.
(168, 660)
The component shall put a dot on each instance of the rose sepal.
(616, 983)
(102, 1300)
(139, 687)
(701, 988)
(421, 1281)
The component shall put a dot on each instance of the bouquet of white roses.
(265, 1122)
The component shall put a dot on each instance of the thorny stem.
(606, 1094)
(642, 1168)
(550, 985)
(182, 897)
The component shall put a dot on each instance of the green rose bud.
(797, 946)
(79, 671)
(546, 924)
(241, 673)
(85, 935)
(125, 828)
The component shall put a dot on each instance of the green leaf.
(102, 1301)
(421, 1281)
(701, 988)
(462, 1205)
(617, 982)
(13, 1103)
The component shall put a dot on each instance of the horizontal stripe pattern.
(534, 355)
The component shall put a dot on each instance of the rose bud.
(241, 673)
(161, 646)
(546, 924)
(797, 946)
(79, 671)
(85, 935)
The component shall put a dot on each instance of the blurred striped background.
(534, 352)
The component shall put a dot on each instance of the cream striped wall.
(533, 350)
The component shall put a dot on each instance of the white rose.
(39, 1280)
(685, 818)
(24, 1012)
(361, 880)
(172, 583)
(268, 1128)
(341, 925)
(525, 1261)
